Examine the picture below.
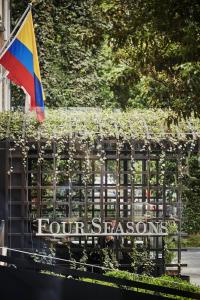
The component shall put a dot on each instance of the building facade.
(4, 36)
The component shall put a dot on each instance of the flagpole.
(29, 7)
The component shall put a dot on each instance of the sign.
(98, 228)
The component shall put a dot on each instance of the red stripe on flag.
(40, 114)
(19, 75)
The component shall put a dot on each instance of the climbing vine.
(87, 131)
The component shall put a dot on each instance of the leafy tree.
(158, 43)
(119, 53)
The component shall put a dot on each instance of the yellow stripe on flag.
(26, 36)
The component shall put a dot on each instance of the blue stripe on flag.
(39, 102)
(23, 54)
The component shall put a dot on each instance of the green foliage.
(83, 260)
(118, 53)
(169, 242)
(45, 272)
(90, 125)
(141, 262)
(158, 44)
(191, 212)
(72, 66)
(108, 258)
(45, 256)
(192, 241)
(166, 281)
(73, 264)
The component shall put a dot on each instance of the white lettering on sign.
(98, 228)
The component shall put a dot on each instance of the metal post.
(2, 234)
(4, 36)
(19, 23)
(3, 249)
(179, 212)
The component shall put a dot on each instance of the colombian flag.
(21, 60)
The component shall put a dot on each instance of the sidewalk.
(192, 259)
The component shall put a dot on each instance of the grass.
(192, 241)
